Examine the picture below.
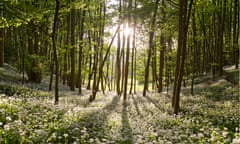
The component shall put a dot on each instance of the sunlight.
(127, 31)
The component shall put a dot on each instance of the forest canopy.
(175, 61)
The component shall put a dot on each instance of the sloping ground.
(211, 116)
(232, 75)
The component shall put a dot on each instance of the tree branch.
(28, 21)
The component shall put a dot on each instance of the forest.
(119, 71)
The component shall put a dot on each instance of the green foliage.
(203, 119)
(22, 92)
(35, 67)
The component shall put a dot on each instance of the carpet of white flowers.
(210, 116)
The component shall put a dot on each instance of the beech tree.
(54, 38)
(1, 39)
(184, 15)
(142, 36)
(151, 45)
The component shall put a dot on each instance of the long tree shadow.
(91, 125)
(136, 106)
(127, 135)
(215, 92)
(139, 98)
(158, 106)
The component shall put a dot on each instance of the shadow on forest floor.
(136, 106)
(220, 90)
(127, 134)
(93, 125)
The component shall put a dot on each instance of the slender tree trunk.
(90, 73)
(184, 15)
(22, 60)
(133, 51)
(162, 50)
(81, 51)
(72, 31)
(194, 59)
(112, 80)
(65, 63)
(51, 74)
(221, 17)
(123, 57)
(54, 42)
(151, 45)
(101, 44)
(128, 52)
(118, 56)
(161, 67)
(135, 70)
(95, 65)
(1, 41)
(95, 89)
(236, 25)
(1, 47)
(154, 67)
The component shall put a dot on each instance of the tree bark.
(162, 50)
(184, 14)
(151, 45)
(133, 73)
(127, 53)
(72, 31)
(81, 51)
(54, 43)
(1, 47)
(1, 41)
(236, 42)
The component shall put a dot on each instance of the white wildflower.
(200, 135)
(53, 135)
(225, 133)
(91, 140)
(6, 127)
(8, 118)
(236, 140)
(1, 123)
(65, 135)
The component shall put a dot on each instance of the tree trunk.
(221, 17)
(133, 51)
(127, 53)
(151, 45)
(95, 89)
(194, 60)
(154, 67)
(80, 51)
(1, 47)
(90, 73)
(162, 50)
(51, 74)
(123, 57)
(1, 41)
(236, 41)
(72, 31)
(181, 51)
(54, 43)
(101, 44)
(66, 53)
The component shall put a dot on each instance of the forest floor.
(28, 115)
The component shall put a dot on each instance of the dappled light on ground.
(111, 120)
(29, 116)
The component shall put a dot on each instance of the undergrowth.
(210, 116)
